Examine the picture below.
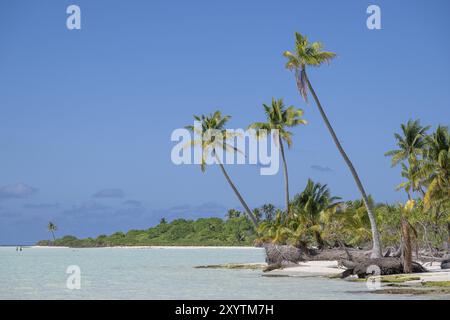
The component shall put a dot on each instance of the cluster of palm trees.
(320, 219)
(279, 117)
(425, 162)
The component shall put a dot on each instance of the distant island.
(237, 231)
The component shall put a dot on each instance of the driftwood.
(337, 254)
(367, 267)
(357, 262)
(290, 254)
(445, 264)
(282, 254)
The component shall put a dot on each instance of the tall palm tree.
(279, 118)
(51, 227)
(209, 142)
(311, 202)
(311, 54)
(411, 145)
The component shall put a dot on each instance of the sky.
(86, 115)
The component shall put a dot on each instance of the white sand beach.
(329, 268)
(153, 247)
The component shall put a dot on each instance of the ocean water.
(151, 273)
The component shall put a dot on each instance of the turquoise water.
(136, 273)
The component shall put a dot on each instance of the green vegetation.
(314, 217)
(436, 284)
(398, 278)
(318, 220)
(413, 291)
(202, 232)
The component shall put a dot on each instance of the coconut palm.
(233, 213)
(436, 167)
(312, 54)
(279, 118)
(311, 202)
(345, 224)
(413, 180)
(269, 211)
(275, 230)
(212, 137)
(411, 145)
(51, 227)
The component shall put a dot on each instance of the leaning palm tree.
(279, 118)
(311, 54)
(212, 137)
(51, 227)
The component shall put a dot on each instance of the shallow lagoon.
(159, 273)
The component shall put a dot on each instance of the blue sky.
(86, 115)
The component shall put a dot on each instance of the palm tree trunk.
(407, 251)
(244, 204)
(286, 178)
(376, 245)
(448, 236)
(53, 234)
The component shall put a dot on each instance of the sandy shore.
(329, 268)
(309, 268)
(152, 247)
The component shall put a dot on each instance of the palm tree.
(314, 200)
(51, 227)
(413, 181)
(311, 54)
(232, 213)
(275, 230)
(345, 224)
(411, 145)
(210, 143)
(269, 211)
(258, 214)
(279, 118)
(436, 172)
(436, 167)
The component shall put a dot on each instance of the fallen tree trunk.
(337, 254)
(385, 266)
(283, 254)
(287, 253)
(445, 264)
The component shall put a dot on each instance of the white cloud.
(16, 191)
(109, 193)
